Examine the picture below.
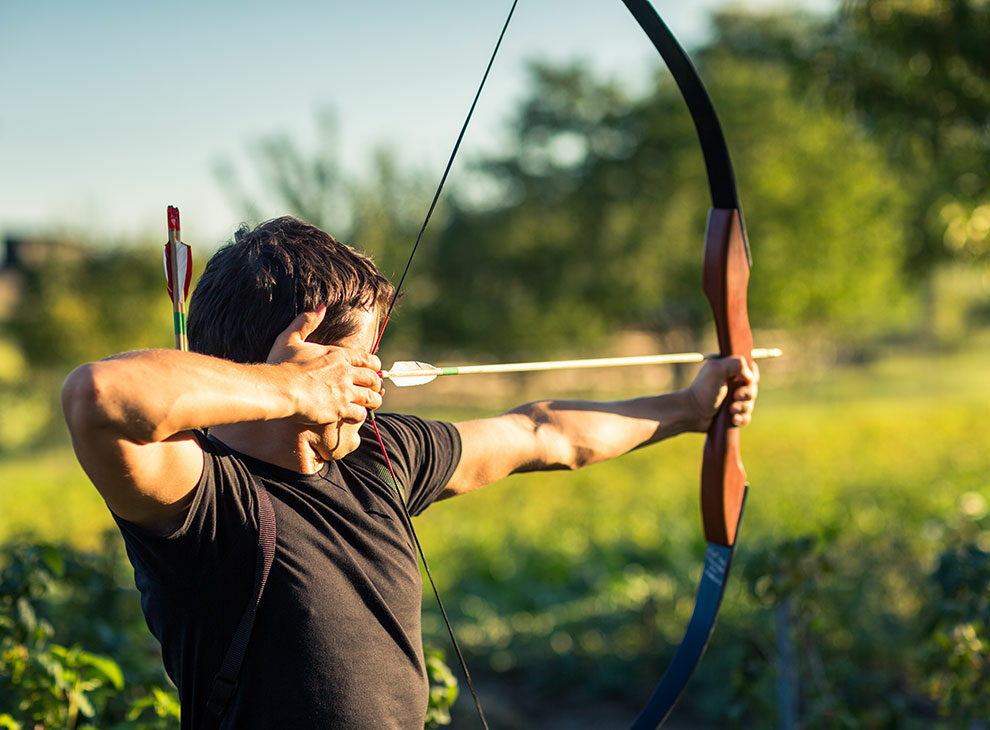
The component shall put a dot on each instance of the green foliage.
(443, 689)
(156, 711)
(46, 495)
(959, 616)
(48, 592)
(593, 216)
(77, 304)
(860, 147)
(86, 303)
(574, 588)
(600, 226)
(916, 76)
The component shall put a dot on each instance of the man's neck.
(272, 442)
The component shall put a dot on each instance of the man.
(282, 323)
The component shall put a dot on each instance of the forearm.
(150, 395)
(551, 434)
(573, 434)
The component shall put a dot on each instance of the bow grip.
(725, 281)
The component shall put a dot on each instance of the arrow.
(410, 372)
(178, 268)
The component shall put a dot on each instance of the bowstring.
(378, 339)
(443, 178)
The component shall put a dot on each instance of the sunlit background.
(114, 109)
(571, 227)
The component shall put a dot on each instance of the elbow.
(557, 450)
(91, 402)
(80, 398)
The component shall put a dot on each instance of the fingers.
(364, 359)
(368, 397)
(354, 414)
(742, 380)
(367, 387)
(744, 395)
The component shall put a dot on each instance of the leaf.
(83, 703)
(105, 666)
(52, 557)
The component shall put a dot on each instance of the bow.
(725, 276)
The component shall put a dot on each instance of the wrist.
(285, 378)
(692, 415)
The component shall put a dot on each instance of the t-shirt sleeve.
(422, 453)
(220, 526)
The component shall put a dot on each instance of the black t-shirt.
(337, 639)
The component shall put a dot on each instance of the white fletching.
(411, 372)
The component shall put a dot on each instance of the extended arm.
(548, 435)
(131, 416)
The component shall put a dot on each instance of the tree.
(917, 77)
(600, 223)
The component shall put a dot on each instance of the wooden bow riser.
(725, 281)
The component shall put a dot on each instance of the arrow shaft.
(597, 362)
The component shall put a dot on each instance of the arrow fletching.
(178, 270)
(412, 372)
(178, 257)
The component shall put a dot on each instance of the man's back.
(336, 642)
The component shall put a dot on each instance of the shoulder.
(410, 430)
(421, 454)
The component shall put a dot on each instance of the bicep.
(494, 448)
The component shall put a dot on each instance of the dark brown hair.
(258, 283)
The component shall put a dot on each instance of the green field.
(585, 580)
(896, 441)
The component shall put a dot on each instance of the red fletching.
(178, 258)
(183, 254)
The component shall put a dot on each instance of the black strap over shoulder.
(225, 682)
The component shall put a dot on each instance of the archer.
(272, 401)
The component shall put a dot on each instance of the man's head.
(256, 285)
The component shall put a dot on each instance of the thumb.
(303, 325)
(734, 368)
(295, 334)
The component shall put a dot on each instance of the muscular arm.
(548, 435)
(131, 417)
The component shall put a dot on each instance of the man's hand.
(710, 387)
(330, 383)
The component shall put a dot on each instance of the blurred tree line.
(860, 143)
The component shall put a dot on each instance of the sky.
(113, 109)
